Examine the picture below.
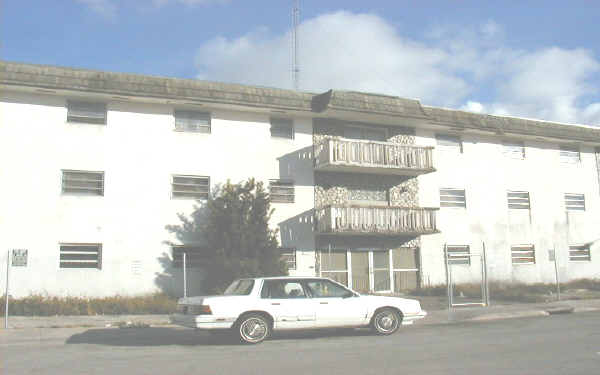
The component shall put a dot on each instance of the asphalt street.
(557, 344)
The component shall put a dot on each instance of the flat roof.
(14, 74)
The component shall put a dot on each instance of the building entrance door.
(360, 271)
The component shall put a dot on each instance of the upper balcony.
(358, 156)
(376, 220)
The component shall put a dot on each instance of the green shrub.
(39, 305)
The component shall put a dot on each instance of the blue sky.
(536, 59)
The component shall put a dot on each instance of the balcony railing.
(349, 155)
(376, 220)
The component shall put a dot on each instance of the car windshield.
(239, 288)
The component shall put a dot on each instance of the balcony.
(349, 155)
(389, 221)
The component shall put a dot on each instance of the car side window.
(282, 289)
(326, 289)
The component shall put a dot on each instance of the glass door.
(360, 271)
(381, 271)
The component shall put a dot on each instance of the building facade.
(377, 192)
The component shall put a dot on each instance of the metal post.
(184, 276)
(448, 278)
(485, 274)
(556, 272)
(7, 278)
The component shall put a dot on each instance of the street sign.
(19, 258)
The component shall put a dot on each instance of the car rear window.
(239, 288)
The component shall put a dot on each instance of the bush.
(38, 305)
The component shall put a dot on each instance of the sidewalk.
(506, 311)
(462, 314)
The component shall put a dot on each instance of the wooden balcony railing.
(376, 220)
(372, 157)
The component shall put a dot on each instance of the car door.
(287, 301)
(335, 305)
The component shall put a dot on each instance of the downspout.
(598, 166)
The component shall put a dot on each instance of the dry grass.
(38, 305)
(518, 292)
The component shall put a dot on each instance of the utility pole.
(295, 24)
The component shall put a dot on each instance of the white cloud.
(450, 67)
(473, 107)
(105, 8)
(339, 50)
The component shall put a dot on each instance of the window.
(364, 133)
(190, 187)
(569, 154)
(239, 288)
(574, 202)
(191, 121)
(195, 256)
(282, 128)
(453, 198)
(288, 255)
(81, 255)
(334, 265)
(449, 143)
(580, 253)
(518, 200)
(514, 150)
(327, 289)
(372, 196)
(86, 112)
(82, 182)
(281, 191)
(459, 254)
(522, 254)
(282, 289)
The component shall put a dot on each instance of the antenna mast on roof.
(295, 23)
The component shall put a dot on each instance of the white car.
(253, 308)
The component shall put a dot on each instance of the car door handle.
(276, 303)
(323, 303)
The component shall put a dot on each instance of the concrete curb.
(519, 314)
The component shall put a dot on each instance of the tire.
(386, 321)
(253, 329)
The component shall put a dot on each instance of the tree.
(239, 240)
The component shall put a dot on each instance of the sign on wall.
(19, 258)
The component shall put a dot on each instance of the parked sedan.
(253, 308)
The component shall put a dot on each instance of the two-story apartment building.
(370, 190)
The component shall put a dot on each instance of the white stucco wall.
(486, 174)
(139, 151)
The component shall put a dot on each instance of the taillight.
(205, 310)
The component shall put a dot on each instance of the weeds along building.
(368, 189)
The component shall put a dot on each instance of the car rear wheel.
(253, 329)
(386, 321)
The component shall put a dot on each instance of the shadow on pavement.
(162, 336)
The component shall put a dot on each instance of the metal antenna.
(295, 23)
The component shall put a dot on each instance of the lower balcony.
(375, 220)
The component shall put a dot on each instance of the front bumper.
(410, 318)
(207, 322)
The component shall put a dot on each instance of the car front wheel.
(386, 321)
(253, 329)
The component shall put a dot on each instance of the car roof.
(284, 278)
